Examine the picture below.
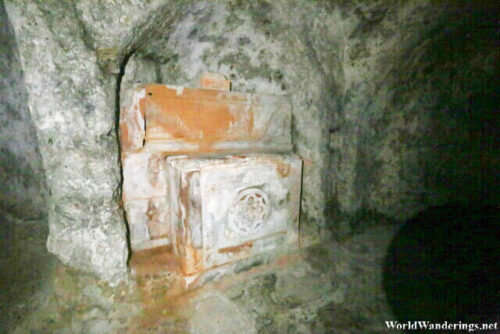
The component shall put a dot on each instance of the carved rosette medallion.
(248, 211)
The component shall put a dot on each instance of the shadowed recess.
(443, 265)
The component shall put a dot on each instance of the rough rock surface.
(331, 288)
(71, 103)
(23, 192)
(402, 92)
(26, 265)
(418, 106)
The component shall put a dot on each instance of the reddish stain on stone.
(215, 81)
(236, 249)
(196, 115)
(153, 262)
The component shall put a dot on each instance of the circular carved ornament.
(248, 211)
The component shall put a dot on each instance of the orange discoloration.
(236, 249)
(124, 136)
(152, 214)
(283, 169)
(183, 117)
(196, 116)
(192, 260)
(206, 121)
(215, 81)
(289, 259)
(162, 288)
(166, 299)
(191, 257)
(155, 261)
(131, 124)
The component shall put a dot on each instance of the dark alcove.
(443, 265)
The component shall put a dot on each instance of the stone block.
(160, 120)
(178, 120)
(227, 209)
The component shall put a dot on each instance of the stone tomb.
(209, 172)
(231, 208)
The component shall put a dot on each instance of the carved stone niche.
(182, 184)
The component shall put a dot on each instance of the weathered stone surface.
(231, 208)
(149, 222)
(295, 295)
(218, 314)
(23, 191)
(144, 176)
(146, 200)
(71, 103)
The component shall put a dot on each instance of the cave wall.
(379, 91)
(418, 113)
(23, 192)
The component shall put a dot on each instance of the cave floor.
(334, 287)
